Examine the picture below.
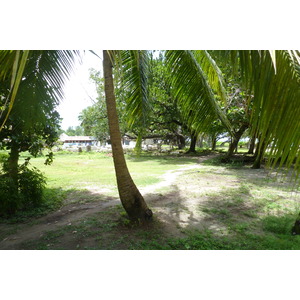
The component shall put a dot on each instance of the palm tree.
(133, 65)
(131, 198)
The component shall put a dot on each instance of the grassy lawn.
(208, 206)
(85, 170)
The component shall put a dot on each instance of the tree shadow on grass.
(233, 221)
(262, 177)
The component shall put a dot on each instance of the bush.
(9, 196)
(31, 186)
(27, 195)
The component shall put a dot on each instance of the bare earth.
(177, 202)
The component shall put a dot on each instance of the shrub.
(27, 195)
(31, 186)
(9, 196)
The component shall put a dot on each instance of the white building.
(69, 141)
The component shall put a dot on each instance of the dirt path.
(74, 212)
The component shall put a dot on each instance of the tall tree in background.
(74, 131)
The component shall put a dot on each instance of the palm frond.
(212, 72)
(193, 91)
(134, 81)
(16, 71)
(274, 81)
(42, 78)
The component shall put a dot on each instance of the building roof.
(65, 138)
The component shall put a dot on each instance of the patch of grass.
(199, 241)
(207, 240)
(216, 211)
(250, 213)
(279, 224)
(239, 227)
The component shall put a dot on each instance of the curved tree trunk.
(131, 198)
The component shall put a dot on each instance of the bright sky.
(79, 90)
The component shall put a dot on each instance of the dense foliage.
(30, 125)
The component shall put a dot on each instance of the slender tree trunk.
(13, 164)
(252, 145)
(192, 148)
(131, 198)
(259, 153)
(213, 142)
(235, 140)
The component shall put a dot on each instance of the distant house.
(69, 141)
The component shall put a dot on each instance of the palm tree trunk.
(131, 198)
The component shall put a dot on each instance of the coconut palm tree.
(131, 198)
(134, 69)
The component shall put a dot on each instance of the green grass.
(242, 208)
(108, 231)
(73, 175)
(96, 169)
